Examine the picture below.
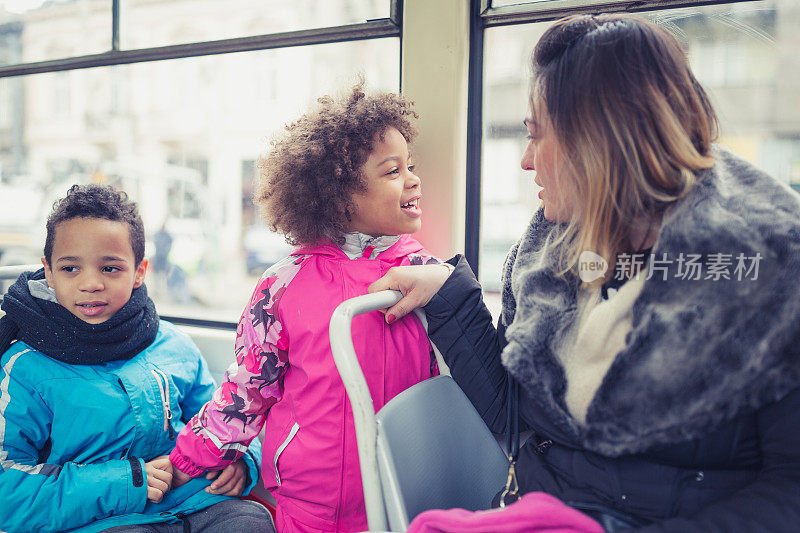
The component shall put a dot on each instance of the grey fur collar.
(700, 352)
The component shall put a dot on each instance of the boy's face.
(93, 268)
(390, 205)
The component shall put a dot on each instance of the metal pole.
(344, 355)
(472, 224)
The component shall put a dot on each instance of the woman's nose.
(527, 158)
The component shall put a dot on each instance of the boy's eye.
(393, 171)
(411, 168)
(69, 268)
(111, 268)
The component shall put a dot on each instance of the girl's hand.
(418, 283)
(159, 477)
(231, 480)
(178, 477)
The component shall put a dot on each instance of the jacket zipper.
(282, 447)
(164, 391)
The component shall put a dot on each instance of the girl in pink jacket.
(340, 185)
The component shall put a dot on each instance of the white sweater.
(594, 341)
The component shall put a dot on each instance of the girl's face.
(544, 155)
(390, 205)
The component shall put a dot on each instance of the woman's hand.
(159, 477)
(230, 480)
(418, 283)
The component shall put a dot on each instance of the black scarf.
(49, 328)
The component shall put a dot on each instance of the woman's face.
(544, 155)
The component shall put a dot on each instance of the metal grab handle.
(344, 355)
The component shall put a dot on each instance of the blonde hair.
(633, 123)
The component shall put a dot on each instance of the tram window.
(176, 135)
(62, 28)
(742, 53)
(199, 20)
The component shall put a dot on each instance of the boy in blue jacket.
(94, 388)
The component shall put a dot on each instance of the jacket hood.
(700, 351)
(404, 246)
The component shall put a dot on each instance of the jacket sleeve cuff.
(185, 465)
(454, 293)
(251, 459)
(137, 487)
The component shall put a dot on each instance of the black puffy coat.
(743, 475)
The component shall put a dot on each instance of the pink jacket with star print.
(285, 380)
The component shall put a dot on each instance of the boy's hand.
(231, 480)
(159, 477)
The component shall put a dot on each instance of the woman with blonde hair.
(650, 310)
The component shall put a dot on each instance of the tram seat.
(9, 273)
(435, 452)
(427, 448)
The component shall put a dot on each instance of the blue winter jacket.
(74, 438)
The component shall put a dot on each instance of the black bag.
(610, 519)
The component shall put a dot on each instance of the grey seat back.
(435, 452)
(9, 274)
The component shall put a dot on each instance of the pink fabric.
(285, 380)
(535, 512)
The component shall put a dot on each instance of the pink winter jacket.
(285, 379)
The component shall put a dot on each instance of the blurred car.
(263, 248)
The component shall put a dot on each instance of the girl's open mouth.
(412, 207)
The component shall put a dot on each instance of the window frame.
(371, 29)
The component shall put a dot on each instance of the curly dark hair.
(96, 201)
(306, 183)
